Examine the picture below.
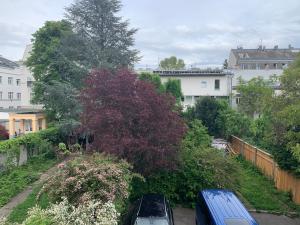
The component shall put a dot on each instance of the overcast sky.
(198, 31)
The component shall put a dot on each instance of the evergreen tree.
(107, 40)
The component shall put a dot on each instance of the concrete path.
(6, 209)
(183, 216)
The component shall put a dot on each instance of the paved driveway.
(183, 216)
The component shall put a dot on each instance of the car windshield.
(151, 221)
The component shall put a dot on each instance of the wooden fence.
(284, 180)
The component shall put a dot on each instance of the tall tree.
(107, 39)
(286, 118)
(172, 63)
(128, 118)
(53, 71)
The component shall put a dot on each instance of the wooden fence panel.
(284, 180)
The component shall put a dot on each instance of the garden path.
(6, 209)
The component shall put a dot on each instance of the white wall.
(249, 74)
(192, 86)
(24, 75)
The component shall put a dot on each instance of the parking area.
(183, 216)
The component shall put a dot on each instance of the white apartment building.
(199, 83)
(263, 62)
(15, 84)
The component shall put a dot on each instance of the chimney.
(290, 46)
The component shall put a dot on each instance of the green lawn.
(16, 180)
(259, 192)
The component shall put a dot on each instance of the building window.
(237, 100)
(204, 84)
(10, 80)
(10, 107)
(10, 95)
(0, 95)
(19, 96)
(19, 107)
(275, 65)
(217, 84)
(188, 99)
(0, 79)
(18, 81)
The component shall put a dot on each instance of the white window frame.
(10, 80)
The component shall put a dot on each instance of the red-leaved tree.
(128, 118)
(3, 133)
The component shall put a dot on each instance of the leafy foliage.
(89, 213)
(153, 79)
(90, 178)
(201, 167)
(207, 110)
(255, 95)
(106, 39)
(56, 76)
(128, 118)
(172, 63)
(14, 181)
(173, 87)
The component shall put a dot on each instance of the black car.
(152, 209)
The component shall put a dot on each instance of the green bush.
(201, 167)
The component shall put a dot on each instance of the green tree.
(153, 79)
(206, 110)
(106, 39)
(286, 118)
(255, 95)
(172, 63)
(56, 76)
(173, 86)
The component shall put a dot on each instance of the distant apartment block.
(249, 63)
(263, 62)
(15, 84)
(200, 83)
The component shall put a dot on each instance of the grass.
(260, 192)
(19, 213)
(14, 181)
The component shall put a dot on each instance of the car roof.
(152, 205)
(224, 205)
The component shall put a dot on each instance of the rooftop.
(263, 53)
(206, 72)
(7, 63)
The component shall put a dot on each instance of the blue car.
(221, 207)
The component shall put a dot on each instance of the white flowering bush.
(63, 213)
(89, 213)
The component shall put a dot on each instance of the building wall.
(249, 74)
(22, 74)
(194, 86)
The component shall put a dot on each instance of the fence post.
(255, 157)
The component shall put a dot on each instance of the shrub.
(201, 167)
(89, 213)
(91, 177)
